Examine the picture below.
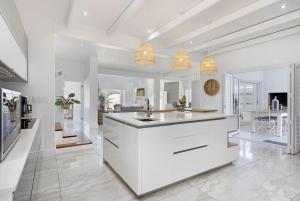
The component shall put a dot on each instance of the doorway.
(77, 110)
(72, 132)
(259, 122)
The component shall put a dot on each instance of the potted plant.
(12, 106)
(65, 103)
(101, 98)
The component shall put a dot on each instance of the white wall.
(275, 80)
(40, 86)
(255, 76)
(74, 71)
(128, 84)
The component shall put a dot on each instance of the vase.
(66, 106)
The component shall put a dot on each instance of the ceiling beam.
(225, 20)
(182, 18)
(129, 10)
(69, 12)
(248, 31)
(258, 40)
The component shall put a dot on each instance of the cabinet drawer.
(190, 143)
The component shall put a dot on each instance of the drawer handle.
(190, 149)
(111, 142)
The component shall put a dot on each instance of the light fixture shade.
(182, 61)
(145, 54)
(208, 65)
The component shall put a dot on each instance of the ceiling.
(113, 29)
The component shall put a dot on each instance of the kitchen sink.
(146, 119)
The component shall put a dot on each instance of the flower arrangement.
(11, 104)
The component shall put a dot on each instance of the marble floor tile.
(46, 183)
(166, 192)
(52, 196)
(228, 187)
(282, 189)
(191, 194)
(94, 189)
(46, 165)
(261, 173)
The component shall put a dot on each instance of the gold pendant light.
(182, 61)
(145, 54)
(208, 65)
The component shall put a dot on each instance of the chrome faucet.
(148, 109)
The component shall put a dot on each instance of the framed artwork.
(140, 92)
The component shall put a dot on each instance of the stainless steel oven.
(10, 120)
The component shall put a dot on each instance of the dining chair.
(266, 123)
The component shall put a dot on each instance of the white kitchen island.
(172, 147)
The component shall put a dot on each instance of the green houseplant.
(66, 103)
(101, 98)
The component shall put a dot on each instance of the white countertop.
(164, 118)
(12, 166)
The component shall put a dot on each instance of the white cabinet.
(150, 158)
(10, 53)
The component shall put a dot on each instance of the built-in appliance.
(26, 109)
(282, 98)
(10, 120)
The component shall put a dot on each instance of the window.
(113, 98)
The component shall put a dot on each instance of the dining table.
(279, 115)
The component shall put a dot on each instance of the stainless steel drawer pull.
(191, 149)
(111, 142)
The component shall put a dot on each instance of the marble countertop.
(12, 166)
(164, 118)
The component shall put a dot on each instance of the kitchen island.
(149, 153)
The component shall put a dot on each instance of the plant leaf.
(71, 95)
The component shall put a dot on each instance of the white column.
(93, 92)
(156, 93)
(91, 96)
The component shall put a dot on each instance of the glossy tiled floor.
(263, 172)
(246, 134)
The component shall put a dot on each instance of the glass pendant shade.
(182, 61)
(208, 65)
(145, 54)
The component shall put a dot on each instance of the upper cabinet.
(13, 44)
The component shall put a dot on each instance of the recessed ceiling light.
(85, 13)
(191, 42)
(153, 35)
(283, 6)
(148, 31)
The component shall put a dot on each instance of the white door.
(294, 110)
(248, 100)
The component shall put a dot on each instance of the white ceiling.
(113, 29)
